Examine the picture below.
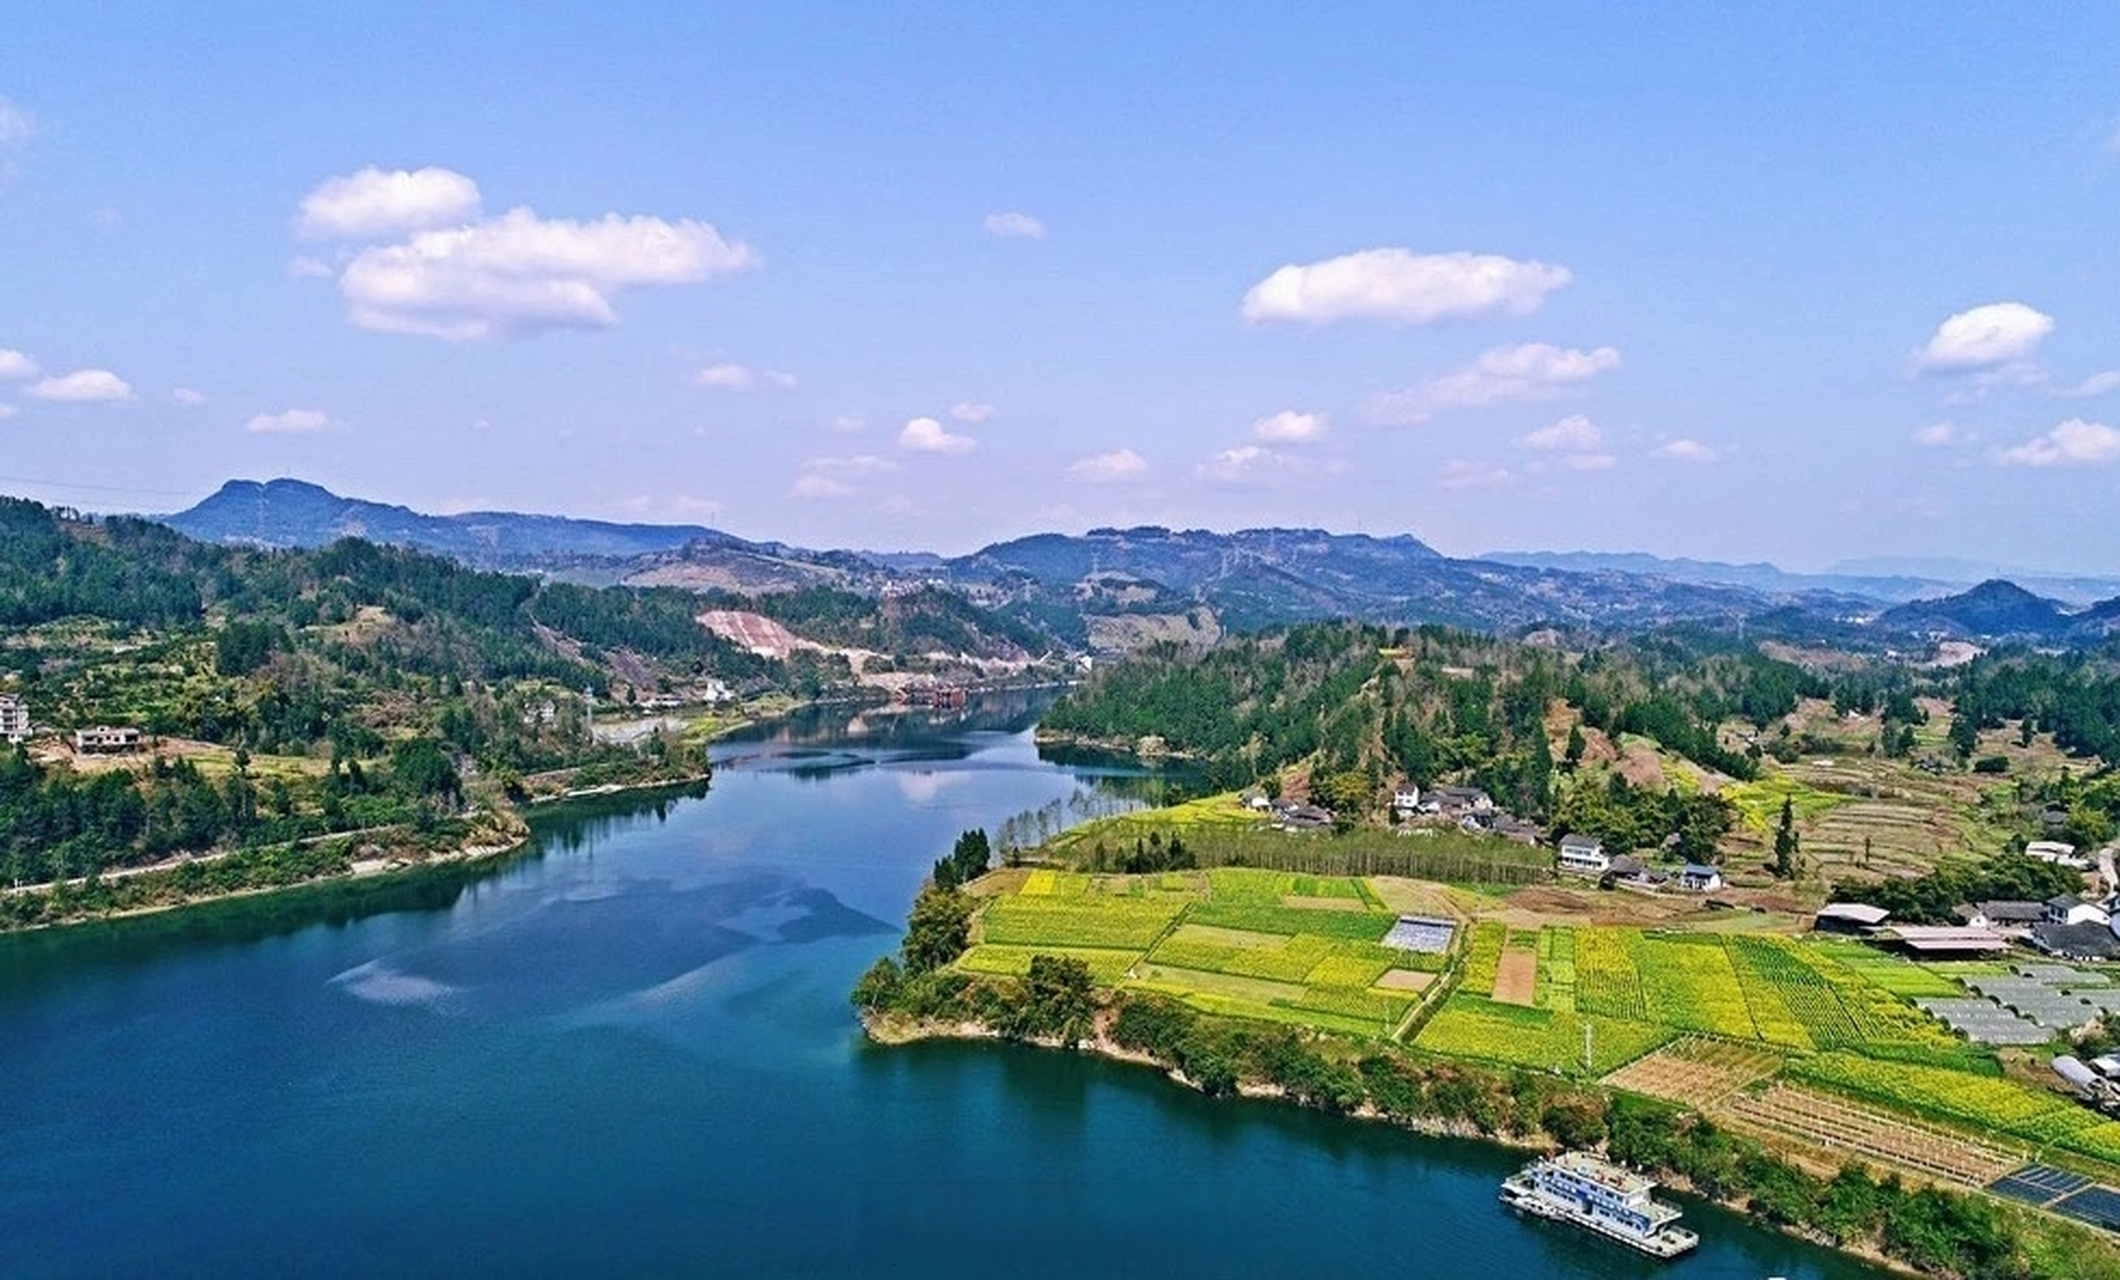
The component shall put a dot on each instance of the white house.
(2070, 909)
(1583, 856)
(2059, 852)
(1406, 799)
(1699, 878)
(14, 718)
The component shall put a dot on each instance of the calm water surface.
(629, 1053)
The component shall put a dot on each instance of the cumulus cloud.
(814, 485)
(1570, 433)
(187, 397)
(14, 365)
(1240, 463)
(925, 435)
(290, 422)
(1935, 435)
(1991, 337)
(1289, 427)
(459, 274)
(1501, 375)
(375, 202)
(1104, 468)
(2074, 443)
(84, 386)
(304, 267)
(1014, 225)
(1403, 286)
(2097, 384)
(520, 274)
(736, 377)
(1683, 450)
(967, 411)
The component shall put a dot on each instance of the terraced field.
(1841, 1126)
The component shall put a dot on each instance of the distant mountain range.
(1146, 582)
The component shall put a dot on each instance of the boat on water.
(1588, 1191)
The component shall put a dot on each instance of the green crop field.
(1474, 1027)
(1225, 941)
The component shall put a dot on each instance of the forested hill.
(404, 609)
(1430, 704)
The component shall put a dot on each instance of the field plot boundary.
(1697, 1070)
(1835, 1123)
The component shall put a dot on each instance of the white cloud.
(84, 386)
(1471, 473)
(925, 435)
(1501, 375)
(849, 422)
(304, 267)
(736, 377)
(187, 397)
(520, 274)
(1686, 451)
(812, 485)
(1399, 285)
(290, 422)
(1583, 462)
(6, 411)
(1289, 427)
(375, 202)
(15, 365)
(1995, 336)
(967, 411)
(1572, 432)
(1102, 468)
(1013, 225)
(1935, 435)
(1240, 463)
(2074, 443)
(2097, 384)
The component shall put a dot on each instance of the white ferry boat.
(1590, 1192)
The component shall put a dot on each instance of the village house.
(107, 739)
(1697, 877)
(1406, 800)
(14, 718)
(1628, 869)
(1451, 802)
(2059, 852)
(1583, 856)
(1850, 917)
(2003, 915)
(2067, 908)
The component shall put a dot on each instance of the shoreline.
(890, 1031)
(392, 862)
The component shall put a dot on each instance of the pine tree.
(1785, 840)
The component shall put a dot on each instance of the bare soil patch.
(1516, 978)
(1405, 980)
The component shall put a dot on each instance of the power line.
(94, 488)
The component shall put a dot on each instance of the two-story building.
(1583, 856)
(14, 718)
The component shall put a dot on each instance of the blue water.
(629, 1053)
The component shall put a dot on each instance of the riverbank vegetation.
(301, 714)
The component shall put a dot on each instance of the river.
(629, 1053)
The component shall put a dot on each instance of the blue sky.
(1792, 283)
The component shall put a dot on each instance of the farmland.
(1294, 948)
